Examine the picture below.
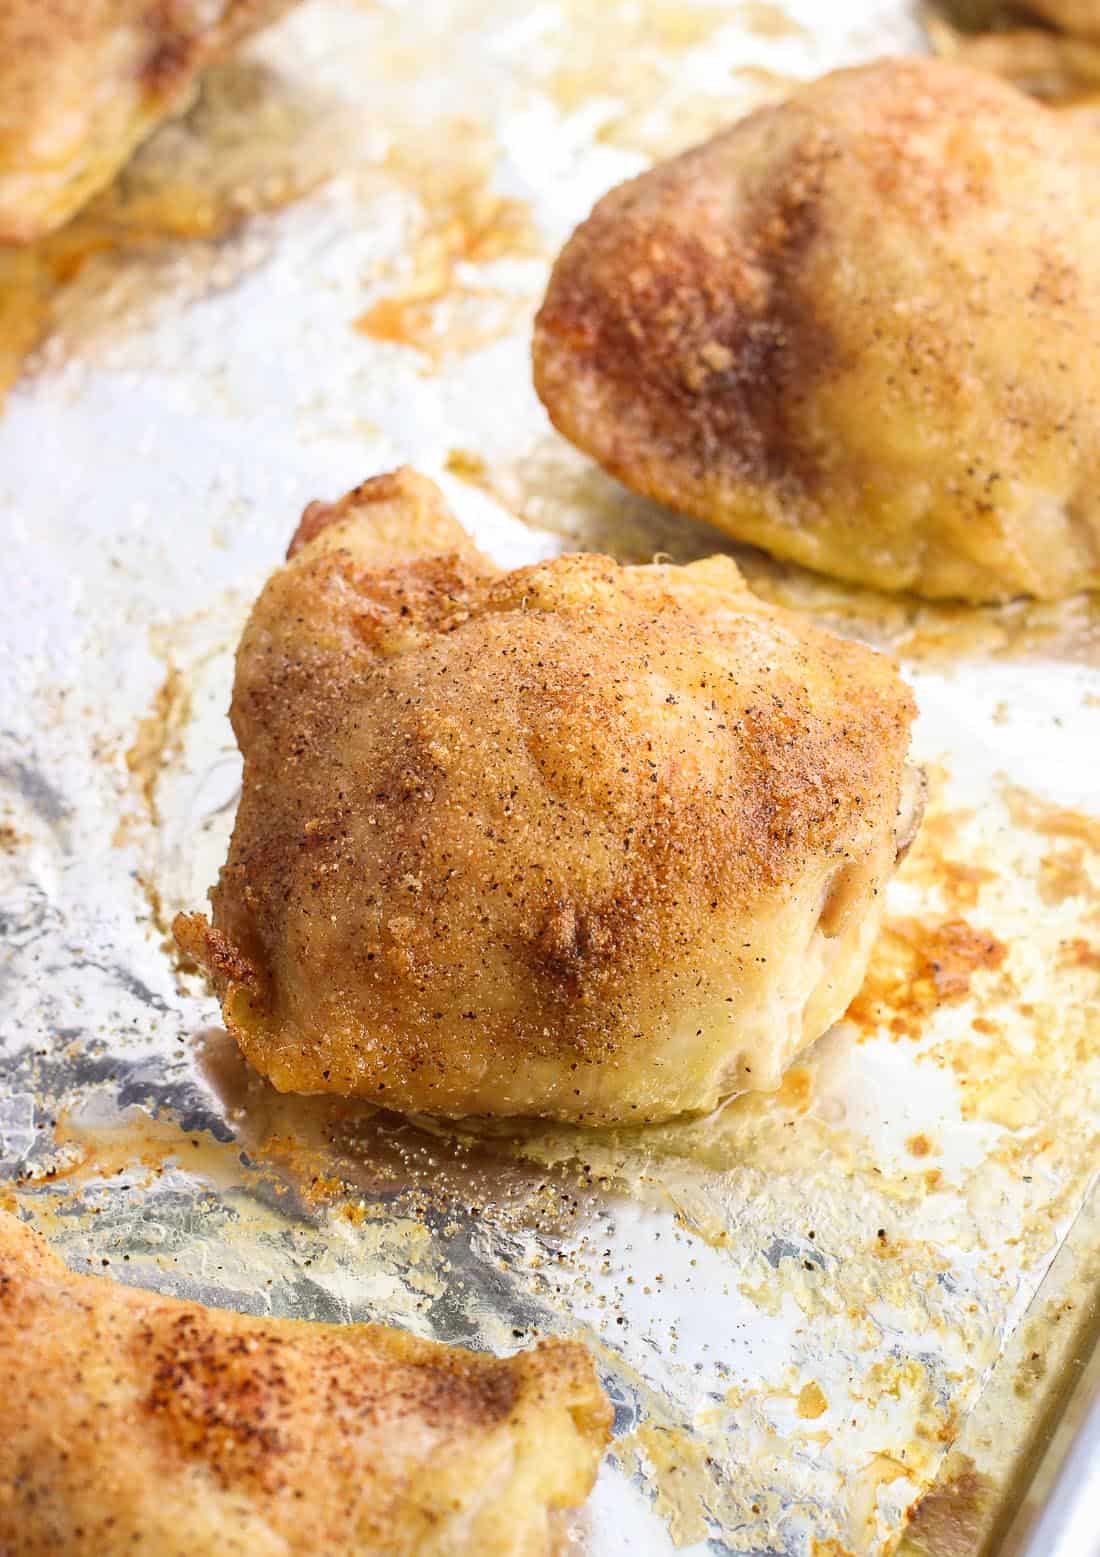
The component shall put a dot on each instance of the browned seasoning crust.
(139, 1423)
(83, 82)
(860, 329)
(1081, 17)
(578, 840)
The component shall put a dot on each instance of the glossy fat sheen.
(860, 329)
(584, 841)
(138, 1423)
(82, 83)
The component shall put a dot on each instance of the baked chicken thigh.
(139, 1423)
(860, 329)
(584, 841)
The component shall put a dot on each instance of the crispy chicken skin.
(83, 82)
(139, 1423)
(592, 842)
(860, 329)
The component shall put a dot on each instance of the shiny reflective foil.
(331, 267)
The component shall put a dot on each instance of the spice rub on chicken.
(83, 82)
(583, 841)
(1074, 16)
(139, 1423)
(859, 329)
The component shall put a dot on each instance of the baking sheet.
(331, 268)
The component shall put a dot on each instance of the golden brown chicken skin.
(138, 1423)
(83, 82)
(860, 329)
(1074, 16)
(584, 841)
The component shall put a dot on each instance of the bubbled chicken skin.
(860, 329)
(583, 841)
(139, 1423)
(83, 82)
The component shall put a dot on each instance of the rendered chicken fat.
(583, 841)
(860, 329)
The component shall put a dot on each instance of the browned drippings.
(136, 1143)
(938, 864)
(156, 745)
(1050, 821)
(1079, 953)
(949, 1520)
(10, 838)
(917, 967)
(332, 1151)
(463, 221)
(1063, 874)
(811, 1401)
(158, 737)
(325, 1149)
